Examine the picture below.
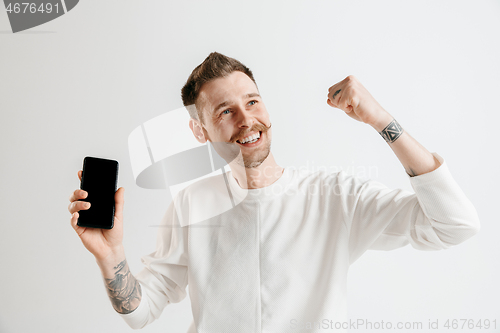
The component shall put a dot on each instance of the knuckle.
(350, 86)
(352, 80)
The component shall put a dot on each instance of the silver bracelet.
(392, 131)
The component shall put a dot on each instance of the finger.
(329, 102)
(77, 206)
(119, 202)
(74, 220)
(78, 194)
(349, 103)
(80, 175)
(335, 87)
(334, 93)
(344, 103)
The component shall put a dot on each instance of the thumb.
(349, 111)
(119, 201)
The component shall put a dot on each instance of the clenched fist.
(350, 96)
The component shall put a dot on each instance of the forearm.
(350, 96)
(123, 289)
(413, 156)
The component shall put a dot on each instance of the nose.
(245, 118)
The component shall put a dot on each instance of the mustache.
(255, 128)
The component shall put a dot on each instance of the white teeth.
(251, 138)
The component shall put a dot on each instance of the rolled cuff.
(139, 317)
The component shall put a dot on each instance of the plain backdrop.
(78, 86)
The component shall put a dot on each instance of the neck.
(263, 175)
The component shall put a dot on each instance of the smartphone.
(99, 180)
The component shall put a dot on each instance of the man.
(278, 260)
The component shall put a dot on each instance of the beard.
(231, 151)
(256, 157)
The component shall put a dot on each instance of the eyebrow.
(226, 103)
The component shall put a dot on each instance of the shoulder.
(212, 185)
(203, 199)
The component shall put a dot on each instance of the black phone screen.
(99, 180)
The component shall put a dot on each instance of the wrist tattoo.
(392, 131)
(124, 290)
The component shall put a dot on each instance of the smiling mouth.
(251, 142)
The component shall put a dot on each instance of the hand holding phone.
(99, 241)
(99, 181)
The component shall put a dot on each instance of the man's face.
(234, 111)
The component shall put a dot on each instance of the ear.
(198, 130)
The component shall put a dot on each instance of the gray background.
(80, 84)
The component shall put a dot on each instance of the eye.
(225, 112)
(252, 102)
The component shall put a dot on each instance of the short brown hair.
(215, 66)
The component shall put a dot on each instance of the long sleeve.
(164, 278)
(437, 216)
